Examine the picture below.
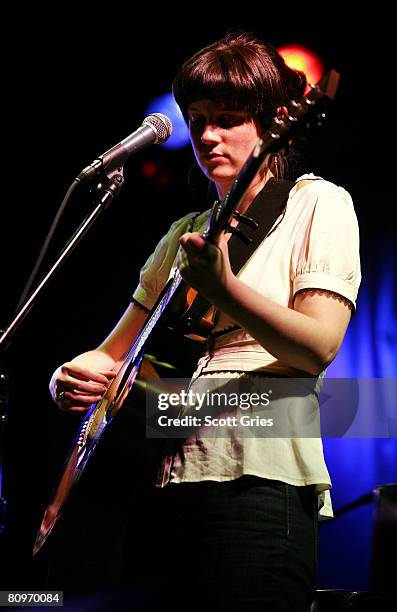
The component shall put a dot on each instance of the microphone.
(155, 129)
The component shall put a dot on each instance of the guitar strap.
(265, 209)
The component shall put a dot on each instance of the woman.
(242, 510)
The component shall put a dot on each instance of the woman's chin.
(219, 175)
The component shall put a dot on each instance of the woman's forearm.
(95, 358)
(294, 338)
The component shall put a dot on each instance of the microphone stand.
(106, 195)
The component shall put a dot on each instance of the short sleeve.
(327, 254)
(155, 272)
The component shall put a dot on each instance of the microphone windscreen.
(161, 124)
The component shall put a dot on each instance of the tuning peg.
(244, 219)
(239, 234)
(296, 104)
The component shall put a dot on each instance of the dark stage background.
(76, 88)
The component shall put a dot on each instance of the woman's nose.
(210, 134)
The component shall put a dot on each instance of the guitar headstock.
(298, 112)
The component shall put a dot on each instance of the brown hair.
(243, 72)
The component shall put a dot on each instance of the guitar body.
(91, 430)
(84, 550)
(183, 353)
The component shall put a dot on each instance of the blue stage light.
(167, 105)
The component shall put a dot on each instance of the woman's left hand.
(205, 266)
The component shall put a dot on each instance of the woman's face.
(222, 140)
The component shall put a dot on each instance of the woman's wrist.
(223, 292)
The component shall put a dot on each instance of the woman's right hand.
(74, 387)
(77, 384)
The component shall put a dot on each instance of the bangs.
(224, 79)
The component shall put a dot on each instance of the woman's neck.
(257, 184)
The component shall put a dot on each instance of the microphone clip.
(108, 189)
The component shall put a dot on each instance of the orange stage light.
(301, 58)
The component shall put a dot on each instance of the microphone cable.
(46, 244)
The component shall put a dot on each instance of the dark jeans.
(242, 545)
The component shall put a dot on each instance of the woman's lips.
(214, 157)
